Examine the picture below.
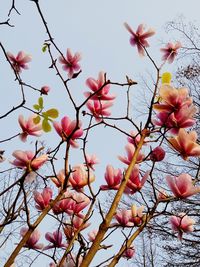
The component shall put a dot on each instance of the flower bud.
(44, 90)
(157, 154)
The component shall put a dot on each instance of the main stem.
(106, 222)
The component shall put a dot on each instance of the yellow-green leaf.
(40, 102)
(166, 77)
(36, 120)
(52, 113)
(46, 126)
(36, 107)
(44, 48)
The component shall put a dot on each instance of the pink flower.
(130, 150)
(27, 160)
(45, 90)
(56, 239)
(162, 195)
(170, 51)
(137, 215)
(182, 118)
(59, 179)
(124, 217)
(92, 235)
(157, 154)
(72, 204)
(175, 108)
(80, 202)
(67, 128)
(31, 243)
(129, 253)
(185, 144)
(95, 86)
(43, 199)
(99, 109)
(19, 62)
(70, 62)
(182, 224)
(91, 160)
(80, 177)
(77, 223)
(64, 205)
(29, 127)
(113, 178)
(182, 186)
(139, 37)
(134, 183)
(172, 99)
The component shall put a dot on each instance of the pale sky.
(94, 28)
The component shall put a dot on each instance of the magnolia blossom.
(172, 99)
(45, 90)
(102, 91)
(31, 243)
(29, 127)
(182, 118)
(63, 205)
(185, 144)
(70, 62)
(67, 128)
(91, 160)
(72, 204)
(175, 108)
(182, 224)
(19, 62)
(130, 150)
(113, 178)
(139, 37)
(157, 154)
(124, 217)
(129, 253)
(182, 186)
(43, 199)
(99, 108)
(80, 202)
(56, 239)
(80, 177)
(92, 235)
(135, 183)
(137, 215)
(59, 179)
(77, 223)
(170, 51)
(27, 160)
(162, 195)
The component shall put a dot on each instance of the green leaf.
(44, 48)
(46, 126)
(40, 102)
(52, 113)
(37, 107)
(45, 116)
(36, 120)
